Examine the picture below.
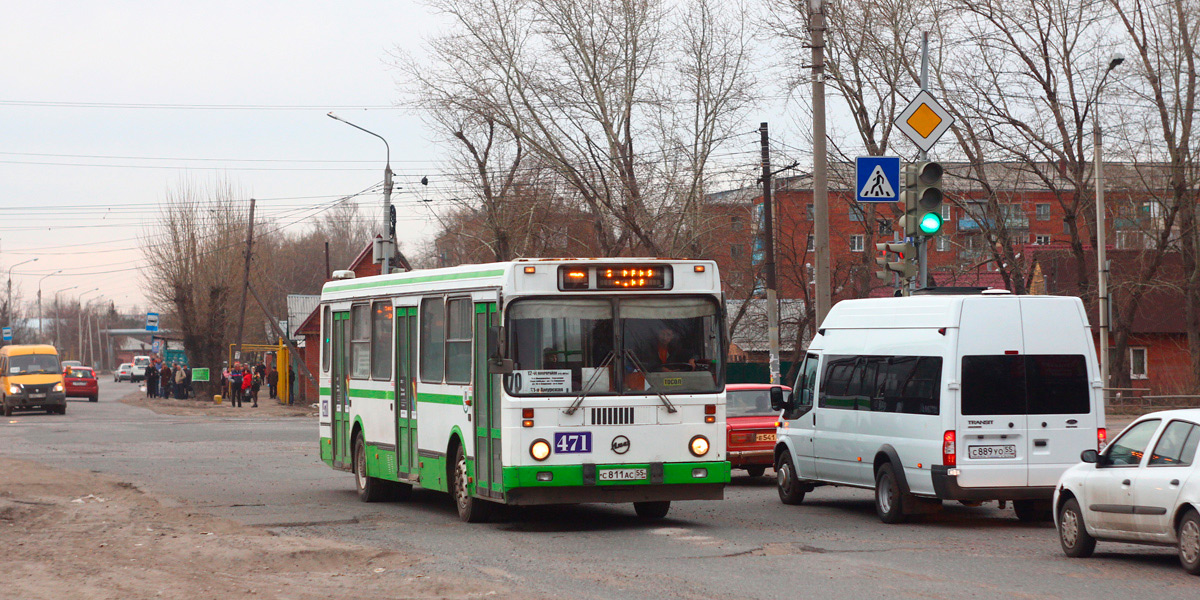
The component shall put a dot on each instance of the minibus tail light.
(1101, 439)
(949, 454)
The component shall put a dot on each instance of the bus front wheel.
(470, 508)
(369, 488)
(652, 510)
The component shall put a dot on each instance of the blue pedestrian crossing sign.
(878, 178)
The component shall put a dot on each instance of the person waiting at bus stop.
(273, 383)
(247, 381)
(151, 376)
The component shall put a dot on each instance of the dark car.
(750, 424)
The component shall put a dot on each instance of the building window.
(458, 341)
(1066, 226)
(808, 212)
(735, 223)
(381, 340)
(735, 251)
(856, 213)
(856, 243)
(433, 340)
(811, 244)
(946, 208)
(1137, 363)
(360, 341)
(326, 338)
(1041, 240)
(885, 227)
(1043, 212)
(942, 244)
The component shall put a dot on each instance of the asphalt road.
(266, 472)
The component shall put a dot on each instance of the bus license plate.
(764, 437)
(621, 474)
(575, 442)
(1007, 451)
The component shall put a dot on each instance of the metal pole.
(389, 244)
(820, 176)
(40, 338)
(79, 323)
(1101, 254)
(245, 280)
(920, 243)
(769, 262)
(9, 310)
(58, 313)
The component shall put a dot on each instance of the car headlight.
(540, 450)
(698, 445)
(14, 388)
(58, 387)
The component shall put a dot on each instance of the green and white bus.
(536, 381)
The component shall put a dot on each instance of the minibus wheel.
(1033, 511)
(7, 408)
(889, 499)
(790, 490)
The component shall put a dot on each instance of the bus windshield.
(29, 364)
(612, 346)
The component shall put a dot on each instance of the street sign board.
(151, 321)
(878, 178)
(156, 347)
(8, 334)
(924, 120)
(199, 374)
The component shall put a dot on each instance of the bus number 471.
(573, 443)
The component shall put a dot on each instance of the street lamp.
(388, 246)
(8, 306)
(79, 321)
(57, 314)
(1101, 226)
(40, 300)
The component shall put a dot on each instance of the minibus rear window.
(1044, 384)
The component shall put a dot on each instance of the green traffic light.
(930, 223)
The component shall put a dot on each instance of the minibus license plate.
(621, 474)
(764, 437)
(1006, 451)
(37, 396)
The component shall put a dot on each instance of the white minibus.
(937, 397)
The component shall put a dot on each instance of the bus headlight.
(540, 450)
(699, 445)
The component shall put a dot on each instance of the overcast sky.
(93, 133)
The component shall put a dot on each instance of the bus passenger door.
(488, 478)
(338, 383)
(406, 414)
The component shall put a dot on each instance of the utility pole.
(389, 225)
(1101, 256)
(769, 250)
(328, 273)
(820, 162)
(245, 280)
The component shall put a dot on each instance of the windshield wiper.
(662, 397)
(590, 384)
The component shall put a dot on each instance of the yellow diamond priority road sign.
(924, 121)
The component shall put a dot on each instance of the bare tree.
(623, 100)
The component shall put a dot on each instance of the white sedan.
(1144, 488)
(123, 372)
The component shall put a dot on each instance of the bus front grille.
(612, 415)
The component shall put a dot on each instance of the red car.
(80, 382)
(750, 424)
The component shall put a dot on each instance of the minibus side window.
(837, 381)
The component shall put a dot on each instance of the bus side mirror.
(776, 398)
(1090, 456)
(497, 364)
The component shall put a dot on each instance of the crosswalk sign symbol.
(878, 178)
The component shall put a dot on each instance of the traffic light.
(906, 267)
(922, 199)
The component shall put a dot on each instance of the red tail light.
(949, 454)
(1101, 439)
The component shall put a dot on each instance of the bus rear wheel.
(369, 488)
(652, 510)
(470, 508)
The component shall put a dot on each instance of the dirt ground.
(206, 408)
(78, 535)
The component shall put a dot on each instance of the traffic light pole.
(919, 242)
